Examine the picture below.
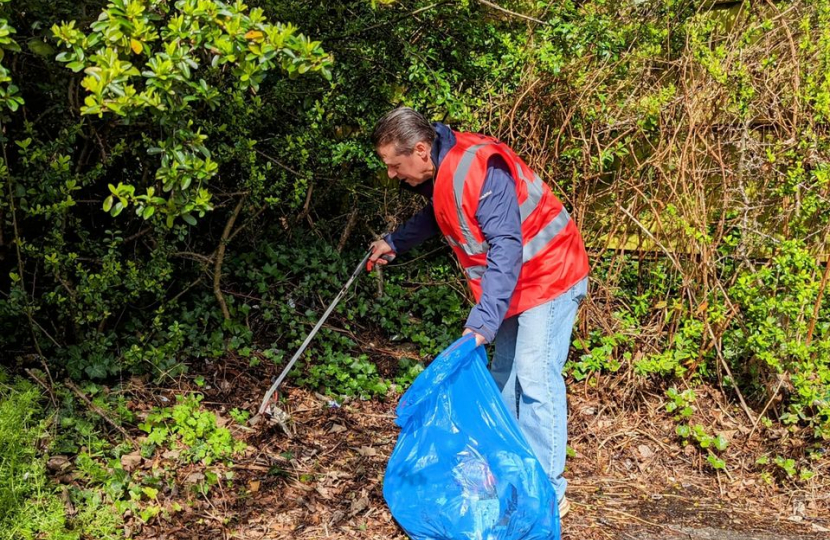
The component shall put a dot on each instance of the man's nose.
(390, 172)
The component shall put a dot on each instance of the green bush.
(182, 133)
(770, 344)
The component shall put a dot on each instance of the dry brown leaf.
(131, 461)
(58, 463)
(194, 478)
(367, 451)
(358, 505)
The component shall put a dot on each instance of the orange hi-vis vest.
(553, 255)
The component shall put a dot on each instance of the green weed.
(191, 430)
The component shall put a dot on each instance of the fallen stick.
(45, 386)
(99, 411)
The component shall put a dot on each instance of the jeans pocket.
(580, 291)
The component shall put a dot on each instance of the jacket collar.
(444, 141)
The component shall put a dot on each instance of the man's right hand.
(380, 248)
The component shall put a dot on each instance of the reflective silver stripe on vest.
(535, 190)
(477, 249)
(475, 272)
(544, 236)
(471, 246)
(532, 248)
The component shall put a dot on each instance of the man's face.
(414, 169)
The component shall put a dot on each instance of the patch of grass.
(29, 508)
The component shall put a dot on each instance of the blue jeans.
(531, 350)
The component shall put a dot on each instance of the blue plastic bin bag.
(461, 469)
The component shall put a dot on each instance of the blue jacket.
(500, 221)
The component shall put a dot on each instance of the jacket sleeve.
(500, 221)
(419, 228)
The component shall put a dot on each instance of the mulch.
(320, 475)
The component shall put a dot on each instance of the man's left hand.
(480, 340)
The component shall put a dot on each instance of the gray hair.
(403, 127)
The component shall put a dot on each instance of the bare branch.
(512, 13)
(220, 258)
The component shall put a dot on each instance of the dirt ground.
(320, 474)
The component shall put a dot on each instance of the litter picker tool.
(268, 395)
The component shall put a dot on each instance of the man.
(522, 254)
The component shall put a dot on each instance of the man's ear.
(422, 149)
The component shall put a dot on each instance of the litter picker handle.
(313, 332)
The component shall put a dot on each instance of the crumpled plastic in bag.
(461, 469)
